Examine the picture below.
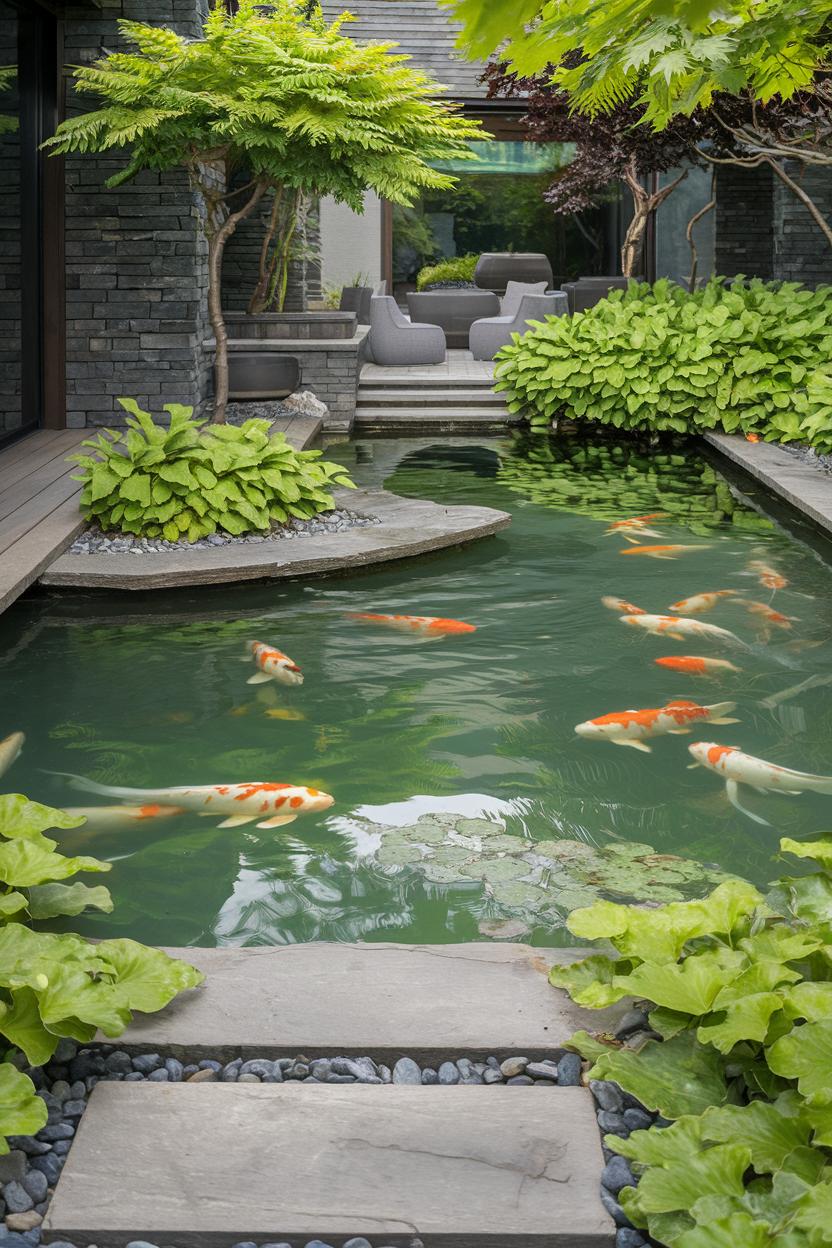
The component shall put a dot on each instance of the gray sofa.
(489, 335)
(454, 311)
(395, 340)
(587, 291)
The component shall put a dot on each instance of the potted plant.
(243, 99)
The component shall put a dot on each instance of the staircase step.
(423, 382)
(434, 415)
(388, 397)
(208, 1165)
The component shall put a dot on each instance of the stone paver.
(409, 526)
(209, 1165)
(806, 487)
(429, 1001)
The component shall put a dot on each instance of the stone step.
(209, 1165)
(460, 397)
(424, 381)
(437, 417)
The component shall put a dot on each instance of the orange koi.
(428, 625)
(631, 727)
(621, 605)
(768, 577)
(739, 768)
(274, 665)
(635, 525)
(695, 665)
(768, 613)
(662, 552)
(698, 603)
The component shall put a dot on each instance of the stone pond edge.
(806, 488)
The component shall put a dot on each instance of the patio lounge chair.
(494, 332)
(394, 340)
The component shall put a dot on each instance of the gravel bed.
(93, 542)
(808, 456)
(29, 1172)
(457, 285)
(270, 409)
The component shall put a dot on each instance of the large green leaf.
(147, 979)
(26, 862)
(22, 1025)
(46, 901)
(805, 1054)
(590, 982)
(717, 1171)
(820, 851)
(21, 1112)
(72, 993)
(746, 1019)
(21, 818)
(672, 1144)
(771, 1132)
(814, 1214)
(737, 1230)
(689, 987)
(675, 1077)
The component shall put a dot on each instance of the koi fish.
(637, 525)
(427, 625)
(621, 605)
(701, 602)
(768, 613)
(104, 818)
(631, 727)
(768, 577)
(679, 627)
(695, 665)
(10, 748)
(738, 768)
(274, 665)
(270, 805)
(662, 552)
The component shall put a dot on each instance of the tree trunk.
(697, 216)
(645, 203)
(259, 300)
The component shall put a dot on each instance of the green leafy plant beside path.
(750, 357)
(457, 269)
(189, 480)
(741, 986)
(54, 985)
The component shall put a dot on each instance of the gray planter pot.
(495, 269)
(262, 375)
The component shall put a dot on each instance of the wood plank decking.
(39, 515)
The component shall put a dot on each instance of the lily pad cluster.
(540, 881)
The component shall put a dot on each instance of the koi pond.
(465, 805)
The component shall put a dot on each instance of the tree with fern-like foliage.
(278, 95)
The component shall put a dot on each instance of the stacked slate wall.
(136, 259)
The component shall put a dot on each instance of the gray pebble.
(429, 1076)
(253, 1079)
(62, 1147)
(607, 1095)
(78, 1091)
(63, 1243)
(406, 1071)
(492, 1076)
(263, 1068)
(28, 1145)
(625, 1237)
(74, 1109)
(246, 1243)
(465, 1066)
(144, 1063)
(17, 1198)
(13, 1166)
(341, 1079)
(385, 1073)
(232, 1070)
(36, 1185)
(58, 1131)
(51, 1165)
(174, 1069)
(617, 1174)
(474, 1077)
(637, 1120)
(543, 1070)
(613, 1208)
(65, 1051)
(61, 1090)
(358, 1242)
(158, 1076)
(448, 1073)
(513, 1066)
(569, 1071)
(134, 1077)
(139, 1243)
(520, 1081)
(614, 1124)
(633, 1020)
(210, 1064)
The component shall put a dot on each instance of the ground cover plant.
(55, 985)
(457, 269)
(741, 989)
(749, 356)
(187, 480)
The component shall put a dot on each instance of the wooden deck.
(39, 514)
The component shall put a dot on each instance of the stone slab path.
(209, 1165)
(803, 485)
(383, 1000)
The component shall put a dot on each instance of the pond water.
(465, 803)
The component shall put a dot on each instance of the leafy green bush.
(459, 269)
(750, 356)
(54, 985)
(191, 479)
(741, 987)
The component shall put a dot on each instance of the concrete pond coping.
(382, 1000)
(408, 527)
(803, 485)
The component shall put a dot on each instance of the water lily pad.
(451, 855)
(479, 827)
(439, 875)
(503, 929)
(566, 850)
(426, 835)
(632, 849)
(495, 869)
(506, 845)
(521, 895)
(398, 855)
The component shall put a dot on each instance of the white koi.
(621, 605)
(737, 768)
(113, 818)
(680, 627)
(698, 603)
(10, 748)
(274, 665)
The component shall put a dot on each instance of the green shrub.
(750, 356)
(54, 985)
(741, 986)
(459, 269)
(190, 479)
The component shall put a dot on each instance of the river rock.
(569, 1071)
(406, 1071)
(514, 1066)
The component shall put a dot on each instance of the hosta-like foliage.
(741, 988)
(457, 269)
(54, 985)
(750, 357)
(188, 480)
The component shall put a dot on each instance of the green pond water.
(465, 805)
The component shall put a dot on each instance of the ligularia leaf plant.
(55, 985)
(740, 990)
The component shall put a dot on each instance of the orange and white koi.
(631, 727)
(737, 768)
(635, 525)
(269, 805)
(768, 577)
(768, 613)
(10, 748)
(695, 665)
(427, 625)
(662, 552)
(111, 818)
(274, 665)
(621, 605)
(679, 627)
(698, 603)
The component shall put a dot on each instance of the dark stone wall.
(801, 250)
(744, 222)
(136, 259)
(242, 259)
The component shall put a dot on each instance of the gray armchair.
(493, 332)
(395, 340)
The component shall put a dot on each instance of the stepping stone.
(210, 1165)
(382, 1000)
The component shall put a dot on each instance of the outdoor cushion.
(515, 291)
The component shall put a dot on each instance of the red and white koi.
(426, 625)
(696, 665)
(10, 748)
(112, 818)
(775, 618)
(662, 552)
(738, 768)
(679, 627)
(269, 805)
(632, 727)
(697, 603)
(274, 665)
(635, 525)
(621, 605)
(768, 577)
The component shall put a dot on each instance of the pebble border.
(30, 1171)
